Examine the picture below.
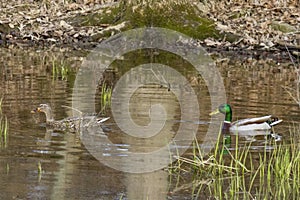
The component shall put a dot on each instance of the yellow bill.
(214, 112)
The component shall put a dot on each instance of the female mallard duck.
(264, 123)
(71, 124)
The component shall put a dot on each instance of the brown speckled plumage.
(71, 124)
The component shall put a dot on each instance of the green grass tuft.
(60, 70)
(244, 174)
(105, 97)
(3, 128)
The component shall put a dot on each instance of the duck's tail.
(274, 121)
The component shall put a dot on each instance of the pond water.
(38, 163)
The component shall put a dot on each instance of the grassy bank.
(246, 174)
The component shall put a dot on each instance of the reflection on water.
(254, 88)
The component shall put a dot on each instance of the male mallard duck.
(71, 124)
(252, 124)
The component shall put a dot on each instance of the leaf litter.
(256, 24)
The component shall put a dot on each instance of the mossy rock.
(181, 17)
(282, 27)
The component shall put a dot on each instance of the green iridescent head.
(226, 110)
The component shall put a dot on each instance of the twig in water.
(295, 97)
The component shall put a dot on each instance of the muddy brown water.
(69, 171)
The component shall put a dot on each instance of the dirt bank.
(258, 25)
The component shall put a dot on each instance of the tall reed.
(241, 173)
(105, 98)
(3, 128)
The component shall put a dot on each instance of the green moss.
(107, 16)
(282, 27)
(179, 16)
